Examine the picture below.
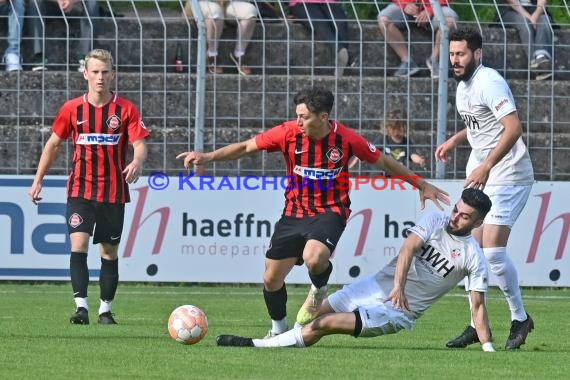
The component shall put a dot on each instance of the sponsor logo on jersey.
(334, 154)
(455, 253)
(75, 220)
(114, 122)
(501, 104)
(316, 173)
(97, 139)
(435, 261)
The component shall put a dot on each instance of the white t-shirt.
(482, 101)
(439, 266)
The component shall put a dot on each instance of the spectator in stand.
(532, 22)
(328, 20)
(40, 10)
(395, 141)
(15, 9)
(400, 13)
(215, 12)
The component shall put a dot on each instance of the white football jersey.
(439, 266)
(481, 102)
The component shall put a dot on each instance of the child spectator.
(395, 142)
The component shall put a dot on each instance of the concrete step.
(547, 150)
(148, 43)
(167, 100)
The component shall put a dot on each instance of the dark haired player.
(499, 164)
(438, 253)
(316, 151)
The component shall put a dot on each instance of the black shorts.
(107, 218)
(291, 234)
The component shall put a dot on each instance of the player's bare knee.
(272, 282)
(109, 251)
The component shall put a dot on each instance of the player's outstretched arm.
(427, 190)
(49, 154)
(228, 153)
(481, 320)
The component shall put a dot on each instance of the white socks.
(503, 268)
(105, 306)
(279, 327)
(290, 338)
(81, 302)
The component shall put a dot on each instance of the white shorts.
(508, 203)
(240, 10)
(378, 317)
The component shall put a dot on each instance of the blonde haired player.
(101, 125)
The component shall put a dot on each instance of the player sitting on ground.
(437, 254)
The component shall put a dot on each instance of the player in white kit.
(499, 163)
(438, 253)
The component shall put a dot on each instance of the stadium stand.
(144, 41)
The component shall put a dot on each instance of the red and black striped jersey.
(316, 168)
(100, 138)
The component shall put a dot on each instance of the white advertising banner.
(217, 230)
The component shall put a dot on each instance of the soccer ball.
(187, 324)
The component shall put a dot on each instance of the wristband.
(488, 347)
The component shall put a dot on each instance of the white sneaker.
(310, 308)
(12, 61)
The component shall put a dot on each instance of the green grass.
(37, 341)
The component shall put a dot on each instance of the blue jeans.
(15, 9)
(532, 40)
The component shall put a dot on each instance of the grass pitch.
(37, 341)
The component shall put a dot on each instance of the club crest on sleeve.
(114, 122)
(372, 147)
(334, 154)
(75, 220)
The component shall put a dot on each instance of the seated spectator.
(329, 21)
(400, 13)
(40, 10)
(15, 9)
(215, 12)
(532, 21)
(395, 142)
